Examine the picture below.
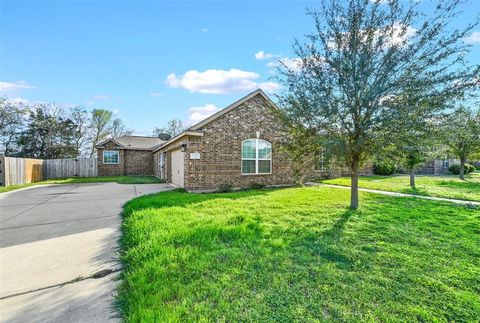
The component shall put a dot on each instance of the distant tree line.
(49, 131)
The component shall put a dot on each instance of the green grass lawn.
(449, 186)
(99, 179)
(298, 254)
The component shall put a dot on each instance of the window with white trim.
(256, 156)
(111, 157)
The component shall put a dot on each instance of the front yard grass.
(298, 254)
(98, 179)
(449, 186)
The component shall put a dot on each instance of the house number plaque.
(195, 155)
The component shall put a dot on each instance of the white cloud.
(18, 100)
(294, 64)
(399, 35)
(269, 87)
(474, 38)
(101, 97)
(204, 30)
(9, 87)
(156, 94)
(198, 114)
(262, 55)
(217, 81)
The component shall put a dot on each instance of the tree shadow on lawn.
(182, 198)
(464, 185)
(327, 243)
(235, 264)
(217, 270)
(415, 191)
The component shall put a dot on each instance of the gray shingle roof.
(139, 141)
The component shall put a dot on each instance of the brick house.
(437, 166)
(237, 146)
(127, 155)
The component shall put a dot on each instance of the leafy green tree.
(361, 55)
(462, 133)
(413, 133)
(12, 120)
(48, 134)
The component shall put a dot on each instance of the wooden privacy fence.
(16, 171)
(63, 168)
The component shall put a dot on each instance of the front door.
(178, 166)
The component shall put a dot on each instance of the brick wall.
(110, 169)
(220, 149)
(138, 162)
(131, 162)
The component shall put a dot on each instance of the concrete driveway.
(59, 251)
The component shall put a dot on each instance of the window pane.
(264, 149)
(248, 166)
(110, 157)
(264, 166)
(248, 149)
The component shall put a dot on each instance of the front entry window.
(111, 157)
(256, 156)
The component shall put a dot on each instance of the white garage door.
(177, 168)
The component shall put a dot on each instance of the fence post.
(2, 170)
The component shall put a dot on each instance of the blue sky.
(148, 61)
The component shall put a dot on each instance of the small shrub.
(225, 188)
(257, 186)
(383, 169)
(455, 169)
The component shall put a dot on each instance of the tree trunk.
(354, 185)
(462, 168)
(412, 179)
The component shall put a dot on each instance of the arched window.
(256, 156)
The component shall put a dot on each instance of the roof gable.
(103, 143)
(193, 130)
(134, 142)
(231, 107)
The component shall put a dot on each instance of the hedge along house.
(237, 146)
(127, 155)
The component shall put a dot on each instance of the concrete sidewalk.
(398, 194)
(59, 251)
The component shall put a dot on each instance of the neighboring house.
(237, 146)
(438, 166)
(127, 155)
